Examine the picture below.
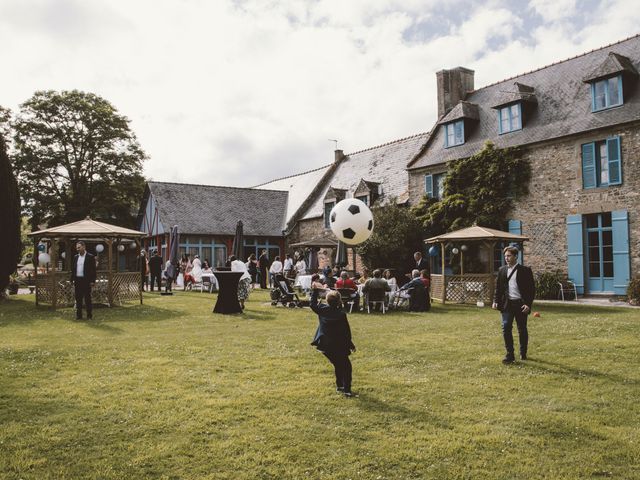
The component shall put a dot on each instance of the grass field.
(169, 390)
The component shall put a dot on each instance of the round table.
(227, 292)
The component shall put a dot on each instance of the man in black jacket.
(83, 277)
(264, 264)
(515, 291)
(155, 267)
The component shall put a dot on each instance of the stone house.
(578, 124)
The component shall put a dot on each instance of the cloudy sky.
(240, 92)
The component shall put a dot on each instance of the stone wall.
(555, 191)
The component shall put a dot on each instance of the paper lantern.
(99, 248)
(63, 254)
(133, 245)
(464, 248)
(433, 251)
(351, 221)
(44, 258)
(42, 247)
(454, 250)
(121, 248)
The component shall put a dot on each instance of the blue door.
(599, 252)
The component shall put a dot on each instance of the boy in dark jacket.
(333, 338)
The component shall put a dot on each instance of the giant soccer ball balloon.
(351, 221)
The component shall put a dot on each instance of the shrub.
(633, 291)
(547, 284)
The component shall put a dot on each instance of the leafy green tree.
(75, 155)
(10, 245)
(396, 236)
(480, 189)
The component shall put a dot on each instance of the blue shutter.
(428, 185)
(589, 166)
(615, 163)
(459, 129)
(575, 251)
(621, 269)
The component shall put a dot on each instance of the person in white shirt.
(301, 266)
(288, 265)
(244, 284)
(276, 267)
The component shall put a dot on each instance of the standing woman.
(252, 268)
(333, 338)
(244, 284)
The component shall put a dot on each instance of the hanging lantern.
(63, 254)
(464, 248)
(433, 251)
(44, 258)
(454, 250)
(42, 247)
(99, 248)
(133, 245)
(121, 248)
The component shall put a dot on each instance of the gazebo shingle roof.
(207, 209)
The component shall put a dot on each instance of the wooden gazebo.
(53, 286)
(469, 287)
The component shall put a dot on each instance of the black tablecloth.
(227, 292)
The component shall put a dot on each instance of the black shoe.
(340, 389)
(89, 317)
(523, 356)
(508, 359)
(349, 394)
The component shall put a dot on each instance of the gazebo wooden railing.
(112, 287)
(468, 287)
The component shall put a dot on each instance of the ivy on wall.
(480, 189)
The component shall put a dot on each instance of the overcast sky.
(240, 92)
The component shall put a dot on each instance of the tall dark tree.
(397, 234)
(75, 155)
(480, 189)
(10, 245)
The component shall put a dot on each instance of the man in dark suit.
(155, 267)
(421, 263)
(514, 294)
(83, 276)
(264, 265)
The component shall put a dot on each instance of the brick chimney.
(453, 86)
(339, 155)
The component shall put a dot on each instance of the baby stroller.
(283, 292)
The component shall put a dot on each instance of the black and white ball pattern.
(351, 221)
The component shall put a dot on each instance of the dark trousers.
(83, 295)
(264, 275)
(512, 312)
(342, 367)
(158, 277)
(144, 280)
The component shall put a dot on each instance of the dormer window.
(328, 206)
(454, 134)
(364, 199)
(606, 93)
(510, 118)
(607, 79)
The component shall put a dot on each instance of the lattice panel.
(542, 239)
(437, 286)
(469, 288)
(125, 286)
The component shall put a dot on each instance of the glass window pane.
(607, 238)
(594, 269)
(607, 254)
(220, 256)
(206, 255)
(594, 239)
(606, 219)
(591, 220)
(515, 117)
(604, 163)
(614, 91)
(599, 93)
(594, 254)
(607, 269)
(450, 135)
(327, 212)
(459, 133)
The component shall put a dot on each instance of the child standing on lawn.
(333, 338)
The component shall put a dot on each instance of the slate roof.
(384, 164)
(563, 106)
(519, 93)
(299, 187)
(461, 110)
(612, 65)
(207, 209)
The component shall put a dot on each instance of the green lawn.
(170, 390)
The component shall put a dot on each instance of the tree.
(396, 236)
(10, 245)
(480, 189)
(75, 155)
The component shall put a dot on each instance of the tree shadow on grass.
(260, 315)
(561, 369)
(568, 308)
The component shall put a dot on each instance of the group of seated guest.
(416, 291)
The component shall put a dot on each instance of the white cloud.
(240, 92)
